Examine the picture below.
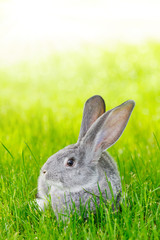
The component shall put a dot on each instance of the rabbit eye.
(70, 162)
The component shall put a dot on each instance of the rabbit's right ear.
(93, 109)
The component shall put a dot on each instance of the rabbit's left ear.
(93, 109)
(107, 129)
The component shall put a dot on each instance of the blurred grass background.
(43, 102)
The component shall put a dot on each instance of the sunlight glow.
(36, 27)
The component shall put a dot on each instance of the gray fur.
(93, 167)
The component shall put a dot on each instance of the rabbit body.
(79, 170)
(61, 196)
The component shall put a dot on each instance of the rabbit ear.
(93, 109)
(107, 129)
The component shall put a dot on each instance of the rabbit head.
(76, 165)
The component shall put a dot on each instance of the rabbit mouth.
(55, 184)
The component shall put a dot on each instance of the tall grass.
(40, 112)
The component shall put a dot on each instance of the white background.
(30, 28)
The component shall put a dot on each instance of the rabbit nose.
(44, 171)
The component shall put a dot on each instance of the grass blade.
(7, 150)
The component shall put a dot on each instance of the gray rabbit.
(79, 170)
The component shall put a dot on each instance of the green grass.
(40, 112)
